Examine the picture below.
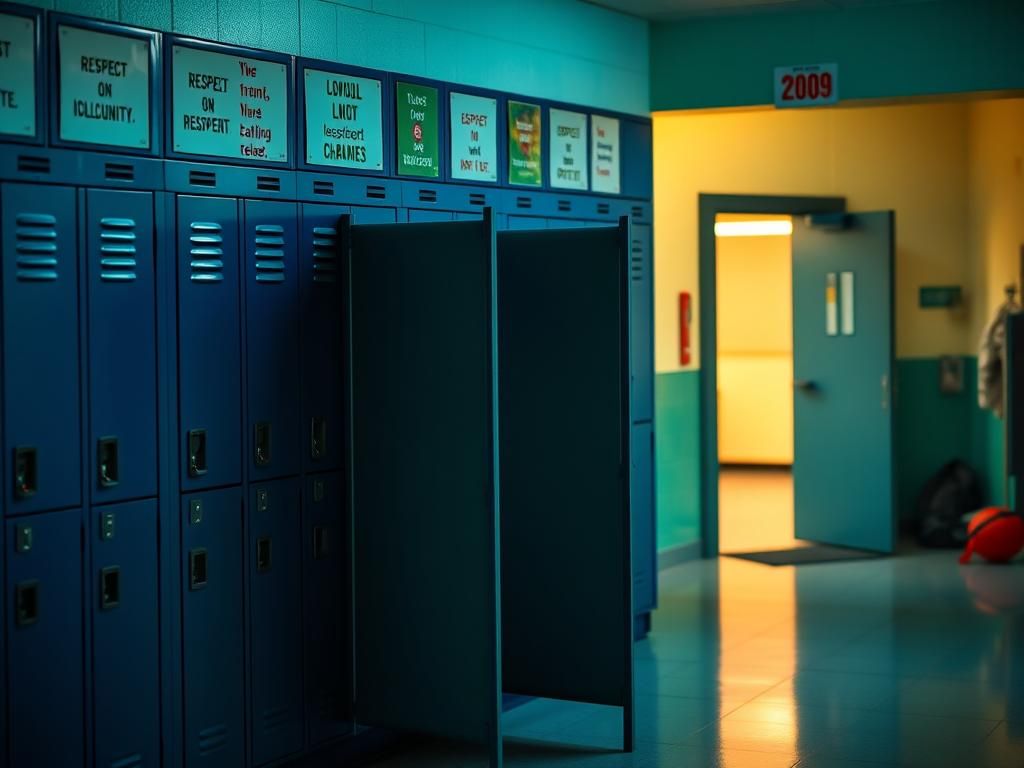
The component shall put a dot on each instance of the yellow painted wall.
(913, 159)
(755, 349)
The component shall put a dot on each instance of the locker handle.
(318, 438)
(25, 472)
(197, 568)
(263, 554)
(26, 601)
(261, 443)
(107, 464)
(110, 587)
(320, 545)
(196, 452)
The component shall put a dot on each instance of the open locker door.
(843, 379)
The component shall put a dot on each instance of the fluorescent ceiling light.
(769, 228)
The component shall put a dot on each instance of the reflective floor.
(907, 661)
(755, 509)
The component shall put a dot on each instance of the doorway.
(755, 382)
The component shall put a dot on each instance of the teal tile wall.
(677, 458)
(556, 49)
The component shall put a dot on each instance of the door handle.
(885, 391)
(805, 385)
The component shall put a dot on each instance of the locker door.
(418, 215)
(372, 215)
(44, 641)
(209, 342)
(122, 345)
(275, 576)
(41, 327)
(272, 338)
(328, 651)
(321, 328)
(126, 659)
(212, 619)
(642, 324)
(527, 222)
(642, 504)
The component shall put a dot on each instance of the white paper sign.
(807, 85)
(831, 310)
(568, 153)
(104, 88)
(474, 132)
(17, 75)
(846, 302)
(604, 154)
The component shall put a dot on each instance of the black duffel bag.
(952, 493)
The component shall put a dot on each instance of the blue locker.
(642, 323)
(125, 635)
(328, 608)
(321, 327)
(419, 214)
(122, 345)
(642, 504)
(41, 363)
(212, 618)
(46, 718)
(526, 222)
(567, 223)
(272, 338)
(462, 216)
(366, 214)
(275, 579)
(209, 342)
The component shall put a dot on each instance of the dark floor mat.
(818, 553)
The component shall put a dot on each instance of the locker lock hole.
(110, 587)
(26, 603)
(196, 452)
(197, 568)
(106, 462)
(25, 472)
(263, 554)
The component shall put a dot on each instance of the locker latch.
(26, 603)
(25, 468)
(263, 554)
(110, 587)
(197, 568)
(320, 542)
(318, 490)
(106, 462)
(318, 438)
(107, 526)
(196, 452)
(23, 539)
(261, 443)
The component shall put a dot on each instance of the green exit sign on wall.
(939, 296)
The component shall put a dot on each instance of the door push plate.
(261, 443)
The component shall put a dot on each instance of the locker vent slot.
(637, 261)
(207, 253)
(213, 738)
(638, 212)
(132, 761)
(428, 196)
(276, 718)
(323, 187)
(36, 245)
(202, 178)
(119, 172)
(325, 255)
(268, 183)
(269, 253)
(564, 206)
(376, 192)
(524, 202)
(477, 198)
(117, 250)
(604, 208)
(32, 164)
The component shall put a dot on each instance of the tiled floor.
(755, 509)
(908, 661)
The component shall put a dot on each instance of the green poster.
(524, 140)
(417, 130)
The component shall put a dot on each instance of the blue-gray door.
(842, 370)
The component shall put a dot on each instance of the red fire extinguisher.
(685, 319)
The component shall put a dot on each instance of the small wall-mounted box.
(939, 296)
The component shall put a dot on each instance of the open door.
(843, 377)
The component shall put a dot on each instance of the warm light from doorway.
(767, 228)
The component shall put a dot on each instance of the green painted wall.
(930, 429)
(883, 51)
(677, 420)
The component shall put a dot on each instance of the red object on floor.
(995, 533)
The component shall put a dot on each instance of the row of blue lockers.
(114, 89)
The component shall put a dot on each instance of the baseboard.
(683, 553)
